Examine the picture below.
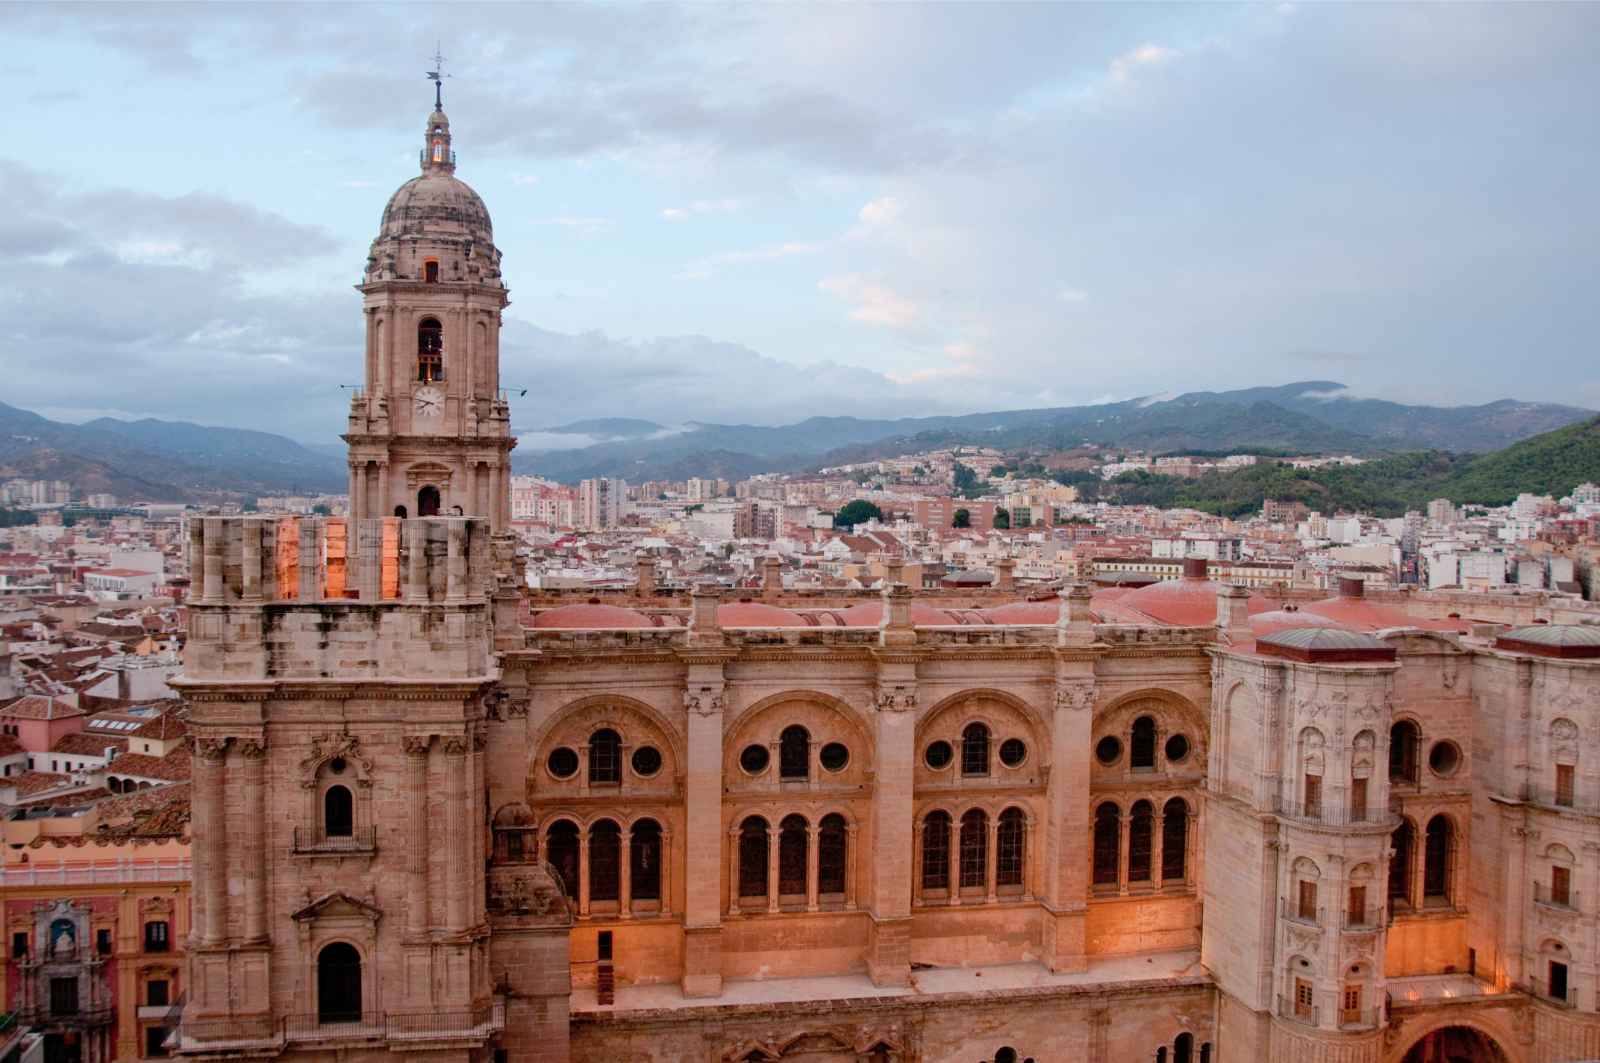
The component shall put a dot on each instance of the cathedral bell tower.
(430, 429)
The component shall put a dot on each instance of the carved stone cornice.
(251, 748)
(416, 745)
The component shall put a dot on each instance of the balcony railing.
(45, 1015)
(96, 874)
(1370, 919)
(1543, 895)
(1292, 912)
(1325, 814)
(219, 1034)
(1360, 1016)
(361, 841)
(1541, 989)
(1290, 1009)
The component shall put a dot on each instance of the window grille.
(936, 851)
(974, 849)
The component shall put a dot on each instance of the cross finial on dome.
(437, 76)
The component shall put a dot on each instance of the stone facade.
(422, 825)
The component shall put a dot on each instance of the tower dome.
(435, 228)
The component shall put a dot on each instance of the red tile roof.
(40, 707)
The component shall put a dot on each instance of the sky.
(760, 213)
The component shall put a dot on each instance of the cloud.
(885, 210)
(1146, 55)
(700, 207)
(707, 267)
(525, 179)
(1072, 295)
(588, 225)
(875, 303)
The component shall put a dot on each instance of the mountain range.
(179, 461)
(1308, 417)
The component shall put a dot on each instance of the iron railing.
(1289, 1008)
(1542, 894)
(1370, 918)
(315, 1027)
(1326, 814)
(1291, 911)
(363, 840)
(1541, 989)
(1360, 1016)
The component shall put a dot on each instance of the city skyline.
(762, 215)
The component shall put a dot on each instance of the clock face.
(429, 402)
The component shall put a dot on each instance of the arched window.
(430, 271)
(833, 840)
(428, 501)
(794, 753)
(338, 812)
(936, 851)
(1010, 838)
(753, 857)
(1142, 743)
(975, 749)
(974, 849)
(1404, 739)
(430, 350)
(1403, 842)
(1174, 839)
(792, 841)
(644, 859)
(1438, 848)
(1141, 832)
(1107, 843)
(605, 757)
(605, 861)
(338, 983)
(1183, 1048)
(561, 849)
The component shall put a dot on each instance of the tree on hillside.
(996, 471)
(962, 519)
(1002, 518)
(966, 482)
(858, 512)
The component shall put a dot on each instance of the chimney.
(1351, 587)
(703, 627)
(895, 628)
(1074, 624)
(1195, 568)
(1233, 612)
(1005, 574)
(771, 576)
(645, 584)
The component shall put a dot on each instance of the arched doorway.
(428, 501)
(339, 983)
(400, 511)
(1456, 1044)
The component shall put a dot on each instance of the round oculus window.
(646, 761)
(336, 765)
(1444, 758)
(563, 763)
(754, 759)
(1177, 748)
(1108, 750)
(834, 756)
(938, 755)
(1013, 751)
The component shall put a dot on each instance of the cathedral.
(437, 817)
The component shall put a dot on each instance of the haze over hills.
(1308, 417)
(161, 460)
(180, 461)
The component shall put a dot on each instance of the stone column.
(625, 874)
(455, 561)
(455, 751)
(583, 873)
(1157, 819)
(355, 491)
(214, 592)
(666, 871)
(894, 723)
(250, 574)
(733, 870)
(774, 841)
(385, 498)
(209, 817)
(1030, 862)
(417, 914)
(992, 860)
(850, 868)
(253, 753)
(813, 835)
(416, 561)
(1124, 822)
(703, 826)
(1065, 840)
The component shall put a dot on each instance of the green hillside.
(1551, 464)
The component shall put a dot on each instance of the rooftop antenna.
(437, 76)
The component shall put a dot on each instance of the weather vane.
(437, 76)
